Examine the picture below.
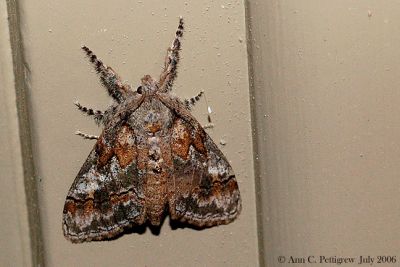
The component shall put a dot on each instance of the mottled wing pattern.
(203, 190)
(107, 194)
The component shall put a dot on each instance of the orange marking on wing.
(181, 140)
(125, 148)
(88, 207)
(198, 142)
(105, 152)
(70, 207)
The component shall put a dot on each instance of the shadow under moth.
(152, 156)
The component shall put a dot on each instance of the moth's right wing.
(203, 190)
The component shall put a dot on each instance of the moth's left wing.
(107, 194)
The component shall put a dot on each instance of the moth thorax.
(156, 118)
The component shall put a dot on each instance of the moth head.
(149, 85)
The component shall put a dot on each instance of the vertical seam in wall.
(257, 174)
(21, 90)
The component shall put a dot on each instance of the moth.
(152, 156)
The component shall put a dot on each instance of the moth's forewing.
(106, 194)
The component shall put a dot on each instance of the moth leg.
(115, 87)
(97, 114)
(86, 136)
(169, 72)
(189, 103)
